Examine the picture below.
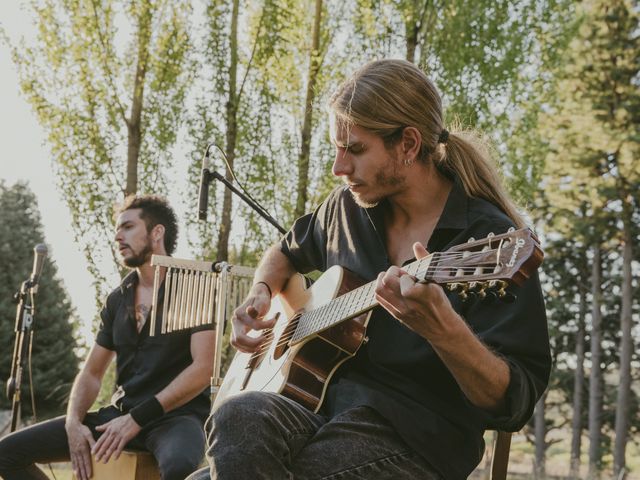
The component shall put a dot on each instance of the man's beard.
(383, 178)
(140, 258)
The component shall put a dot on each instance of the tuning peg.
(490, 297)
(491, 234)
(502, 293)
(508, 297)
(471, 240)
(511, 229)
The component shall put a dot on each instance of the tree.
(274, 116)
(54, 360)
(610, 73)
(305, 144)
(101, 100)
(233, 106)
(480, 54)
(598, 122)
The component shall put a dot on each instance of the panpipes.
(196, 292)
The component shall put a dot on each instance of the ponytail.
(467, 156)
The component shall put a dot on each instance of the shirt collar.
(454, 213)
(130, 280)
(453, 216)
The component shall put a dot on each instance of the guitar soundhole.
(283, 341)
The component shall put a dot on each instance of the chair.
(500, 459)
(130, 465)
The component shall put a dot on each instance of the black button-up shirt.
(397, 372)
(145, 365)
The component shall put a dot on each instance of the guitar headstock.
(490, 263)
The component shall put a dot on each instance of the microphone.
(40, 253)
(205, 178)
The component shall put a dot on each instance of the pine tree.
(54, 361)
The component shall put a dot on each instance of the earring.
(408, 161)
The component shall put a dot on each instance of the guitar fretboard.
(350, 304)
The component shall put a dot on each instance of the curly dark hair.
(155, 210)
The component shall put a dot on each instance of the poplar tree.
(480, 54)
(265, 112)
(110, 101)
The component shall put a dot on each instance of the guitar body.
(300, 371)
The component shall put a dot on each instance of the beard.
(140, 258)
(385, 181)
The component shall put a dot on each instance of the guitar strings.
(431, 269)
(292, 326)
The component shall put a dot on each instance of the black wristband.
(147, 411)
(266, 285)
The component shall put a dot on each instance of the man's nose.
(342, 164)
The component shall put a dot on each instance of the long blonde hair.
(385, 96)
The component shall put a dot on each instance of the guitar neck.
(350, 305)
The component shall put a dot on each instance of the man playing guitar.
(435, 371)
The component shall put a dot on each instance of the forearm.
(186, 386)
(482, 375)
(275, 269)
(83, 393)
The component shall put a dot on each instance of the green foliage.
(481, 54)
(584, 132)
(102, 98)
(54, 361)
(268, 95)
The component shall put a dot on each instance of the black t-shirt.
(145, 364)
(397, 372)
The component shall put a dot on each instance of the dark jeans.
(267, 436)
(176, 441)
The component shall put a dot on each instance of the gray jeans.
(267, 436)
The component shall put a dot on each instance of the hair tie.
(444, 136)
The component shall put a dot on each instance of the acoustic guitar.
(319, 328)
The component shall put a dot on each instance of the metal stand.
(24, 332)
(221, 308)
(248, 201)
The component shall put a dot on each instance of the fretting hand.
(422, 307)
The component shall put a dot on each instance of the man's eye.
(356, 148)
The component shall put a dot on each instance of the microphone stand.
(222, 267)
(246, 200)
(24, 332)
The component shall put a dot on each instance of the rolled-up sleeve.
(518, 333)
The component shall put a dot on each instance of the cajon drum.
(129, 466)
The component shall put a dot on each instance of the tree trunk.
(626, 346)
(411, 29)
(222, 248)
(540, 429)
(134, 123)
(305, 148)
(595, 382)
(578, 389)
